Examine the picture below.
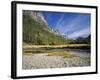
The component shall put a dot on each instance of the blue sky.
(73, 25)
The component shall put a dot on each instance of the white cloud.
(59, 23)
(80, 33)
(68, 26)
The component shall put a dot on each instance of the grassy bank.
(64, 54)
(77, 46)
(53, 50)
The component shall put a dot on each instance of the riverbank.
(42, 61)
(55, 56)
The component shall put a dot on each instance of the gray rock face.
(36, 15)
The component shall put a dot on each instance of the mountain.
(37, 16)
(37, 32)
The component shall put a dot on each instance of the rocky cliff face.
(36, 15)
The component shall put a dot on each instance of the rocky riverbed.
(40, 61)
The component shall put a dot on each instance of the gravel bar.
(40, 61)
